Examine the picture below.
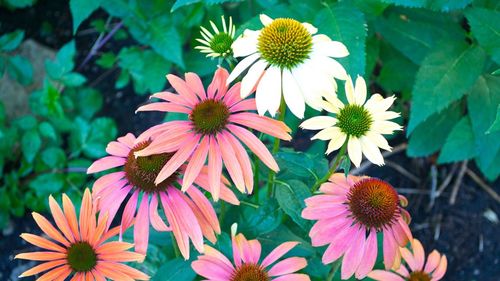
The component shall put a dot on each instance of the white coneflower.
(218, 43)
(285, 56)
(361, 124)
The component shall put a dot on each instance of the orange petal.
(49, 229)
(111, 272)
(42, 267)
(86, 215)
(127, 270)
(69, 211)
(121, 257)
(60, 219)
(113, 247)
(41, 256)
(54, 274)
(42, 242)
(101, 227)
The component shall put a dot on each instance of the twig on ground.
(483, 185)
(386, 154)
(458, 182)
(433, 194)
(402, 171)
(412, 191)
(447, 180)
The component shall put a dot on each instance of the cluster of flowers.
(176, 163)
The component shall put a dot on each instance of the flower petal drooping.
(360, 123)
(190, 216)
(219, 122)
(349, 214)
(79, 248)
(247, 263)
(286, 56)
(434, 268)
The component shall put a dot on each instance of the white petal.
(329, 66)
(349, 91)
(310, 27)
(252, 77)
(336, 143)
(327, 134)
(378, 140)
(312, 85)
(386, 115)
(214, 27)
(330, 107)
(319, 123)
(377, 103)
(268, 95)
(246, 44)
(293, 95)
(360, 90)
(371, 151)
(331, 48)
(265, 19)
(354, 150)
(241, 66)
(320, 38)
(385, 127)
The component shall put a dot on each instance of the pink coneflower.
(190, 215)
(350, 213)
(79, 248)
(214, 266)
(434, 269)
(215, 130)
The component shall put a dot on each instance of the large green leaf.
(175, 270)
(444, 77)
(439, 5)
(181, 3)
(415, 33)
(63, 63)
(46, 184)
(495, 127)
(430, 136)
(30, 144)
(460, 144)
(482, 104)
(10, 41)
(291, 195)
(20, 69)
(345, 23)
(485, 25)
(81, 10)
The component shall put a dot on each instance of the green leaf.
(262, 220)
(81, 10)
(106, 60)
(181, 3)
(103, 130)
(495, 127)
(290, 196)
(444, 77)
(46, 184)
(415, 34)
(63, 63)
(89, 102)
(438, 5)
(73, 79)
(398, 72)
(10, 41)
(438, 126)
(122, 80)
(20, 69)
(26, 122)
(19, 3)
(30, 144)
(54, 157)
(47, 130)
(175, 270)
(485, 25)
(345, 23)
(460, 144)
(482, 105)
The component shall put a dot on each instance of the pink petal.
(233, 95)
(105, 181)
(129, 212)
(255, 145)
(240, 249)
(168, 141)
(215, 168)
(278, 252)
(293, 277)
(339, 245)
(110, 204)
(128, 140)
(177, 160)
(287, 266)
(194, 82)
(183, 89)
(432, 261)
(181, 237)
(161, 128)
(418, 253)
(399, 234)
(164, 107)
(263, 124)
(141, 227)
(211, 269)
(106, 163)
(205, 208)
(195, 164)
(441, 269)
(255, 250)
(354, 254)
(390, 248)
(243, 159)
(231, 162)
(323, 211)
(226, 194)
(217, 89)
(156, 220)
(381, 275)
(244, 105)
(171, 97)
(115, 148)
(369, 257)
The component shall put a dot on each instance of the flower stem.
(335, 268)
(174, 245)
(332, 170)
(276, 147)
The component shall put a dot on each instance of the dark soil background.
(467, 232)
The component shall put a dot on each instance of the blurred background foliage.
(441, 58)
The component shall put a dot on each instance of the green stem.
(249, 204)
(335, 268)
(276, 147)
(174, 245)
(332, 170)
(222, 211)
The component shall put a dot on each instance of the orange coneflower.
(79, 248)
